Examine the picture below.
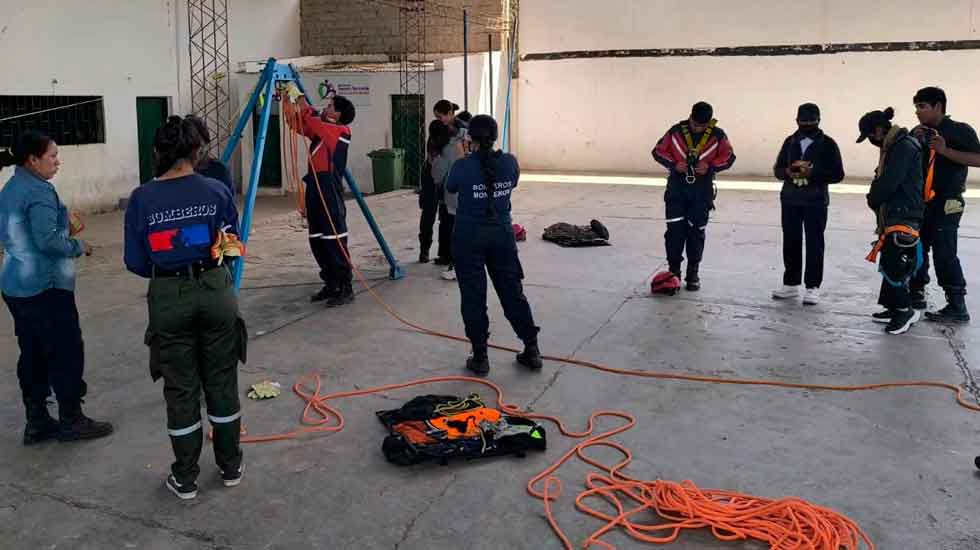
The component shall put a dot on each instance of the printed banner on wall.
(355, 88)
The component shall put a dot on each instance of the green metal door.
(270, 175)
(408, 133)
(151, 114)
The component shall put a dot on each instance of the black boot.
(344, 296)
(40, 425)
(479, 362)
(955, 311)
(325, 293)
(424, 247)
(693, 281)
(531, 356)
(918, 298)
(76, 426)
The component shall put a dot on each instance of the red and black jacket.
(672, 148)
(329, 144)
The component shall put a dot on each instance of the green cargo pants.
(196, 338)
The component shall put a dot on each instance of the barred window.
(68, 119)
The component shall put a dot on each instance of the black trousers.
(687, 219)
(490, 248)
(900, 257)
(52, 353)
(196, 338)
(447, 222)
(429, 204)
(797, 221)
(939, 234)
(329, 247)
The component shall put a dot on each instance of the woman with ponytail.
(38, 284)
(196, 335)
(483, 242)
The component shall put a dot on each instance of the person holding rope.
(483, 242)
(326, 213)
(178, 230)
(953, 146)
(692, 151)
(896, 197)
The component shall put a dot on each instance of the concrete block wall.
(339, 27)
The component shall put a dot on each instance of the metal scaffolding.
(411, 22)
(207, 24)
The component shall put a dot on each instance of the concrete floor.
(900, 463)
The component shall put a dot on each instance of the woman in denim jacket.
(37, 281)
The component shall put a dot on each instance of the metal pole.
(253, 181)
(511, 52)
(490, 65)
(466, 60)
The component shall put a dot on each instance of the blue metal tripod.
(273, 73)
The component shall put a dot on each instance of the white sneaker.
(811, 297)
(786, 292)
(449, 274)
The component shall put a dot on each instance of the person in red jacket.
(330, 137)
(693, 151)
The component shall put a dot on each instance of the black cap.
(701, 112)
(808, 112)
(872, 120)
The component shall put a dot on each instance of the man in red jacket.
(326, 213)
(693, 151)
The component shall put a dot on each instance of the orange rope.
(786, 524)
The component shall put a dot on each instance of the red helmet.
(665, 282)
(520, 233)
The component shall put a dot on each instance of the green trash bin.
(388, 169)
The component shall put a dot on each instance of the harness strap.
(873, 255)
(929, 194)
(694, 152)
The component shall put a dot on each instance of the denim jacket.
(38, 252)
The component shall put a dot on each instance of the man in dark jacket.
(808, 162)
(693, 151)
(953, 146)
(896, 197)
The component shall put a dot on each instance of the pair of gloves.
(799, 171)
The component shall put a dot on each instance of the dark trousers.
(939, 234)
(328, 229)
(52, 353)
(447, 222)
(899, 260)
(687, 219)
(797, 220)
(490, 248)
(197, 338)
(429, 203)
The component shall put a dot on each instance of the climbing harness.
(694, 154)
(665, 282)
(880, 243)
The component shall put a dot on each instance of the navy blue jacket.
(474, 195)
(173, 223)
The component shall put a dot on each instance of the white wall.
(478, 81)
(371, 128)
(122, 50)
(119, 50)
(606, 114)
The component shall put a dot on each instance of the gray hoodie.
(443, 163)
